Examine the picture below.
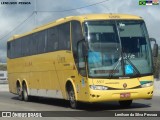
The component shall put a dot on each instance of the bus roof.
(80, 18)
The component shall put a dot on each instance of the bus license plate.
(125, 95)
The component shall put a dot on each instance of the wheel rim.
(19, 92)
(25, 93)
(72, 99)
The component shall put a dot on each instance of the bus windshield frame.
(127, 44)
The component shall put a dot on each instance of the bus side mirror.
(155, 50)
(155, 47)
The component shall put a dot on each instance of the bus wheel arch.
(18, 84)
(19, 90)
(25, 91)
(71, 94)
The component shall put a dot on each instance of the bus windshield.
(118, 48)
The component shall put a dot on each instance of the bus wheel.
(19, 92)
(25, 93)
(72, 99)
(125, 103)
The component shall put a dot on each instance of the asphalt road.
(10, 102)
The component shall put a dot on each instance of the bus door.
(82, 85)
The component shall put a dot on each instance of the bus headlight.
(98, 87)
(147, 84)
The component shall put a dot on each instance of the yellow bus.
(88, 58)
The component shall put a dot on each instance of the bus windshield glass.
(118, 48)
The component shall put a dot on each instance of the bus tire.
(72, 98)
(25, 93)
(19, 92)
(125, 103)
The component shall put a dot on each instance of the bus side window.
(52, 41)
(9, 49)
(64, 36)
(25, 46)
(41, 42)
(81, 60)
(17, 50)
(33, 44)
(76, 36)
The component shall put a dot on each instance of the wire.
(50, 11)
(17, 26)
(76, 8)
(107, 8)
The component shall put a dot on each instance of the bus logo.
(125, 85)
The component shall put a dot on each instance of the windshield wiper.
(115, 68)
(135, 68)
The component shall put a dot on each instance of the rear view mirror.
(155, 50)
(155, 47)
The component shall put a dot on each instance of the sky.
(13, 15)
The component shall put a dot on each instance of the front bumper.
(114, 95)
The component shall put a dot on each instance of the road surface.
(10, 102)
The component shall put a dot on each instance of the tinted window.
(9, 49)
(41, 42)
(64, 36)
(76, 36)
(52, 41)
(56, 38)
(17, 48)
(34, 44)
(25, 46)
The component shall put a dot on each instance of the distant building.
(3, 77)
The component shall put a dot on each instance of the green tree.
(3, 67)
